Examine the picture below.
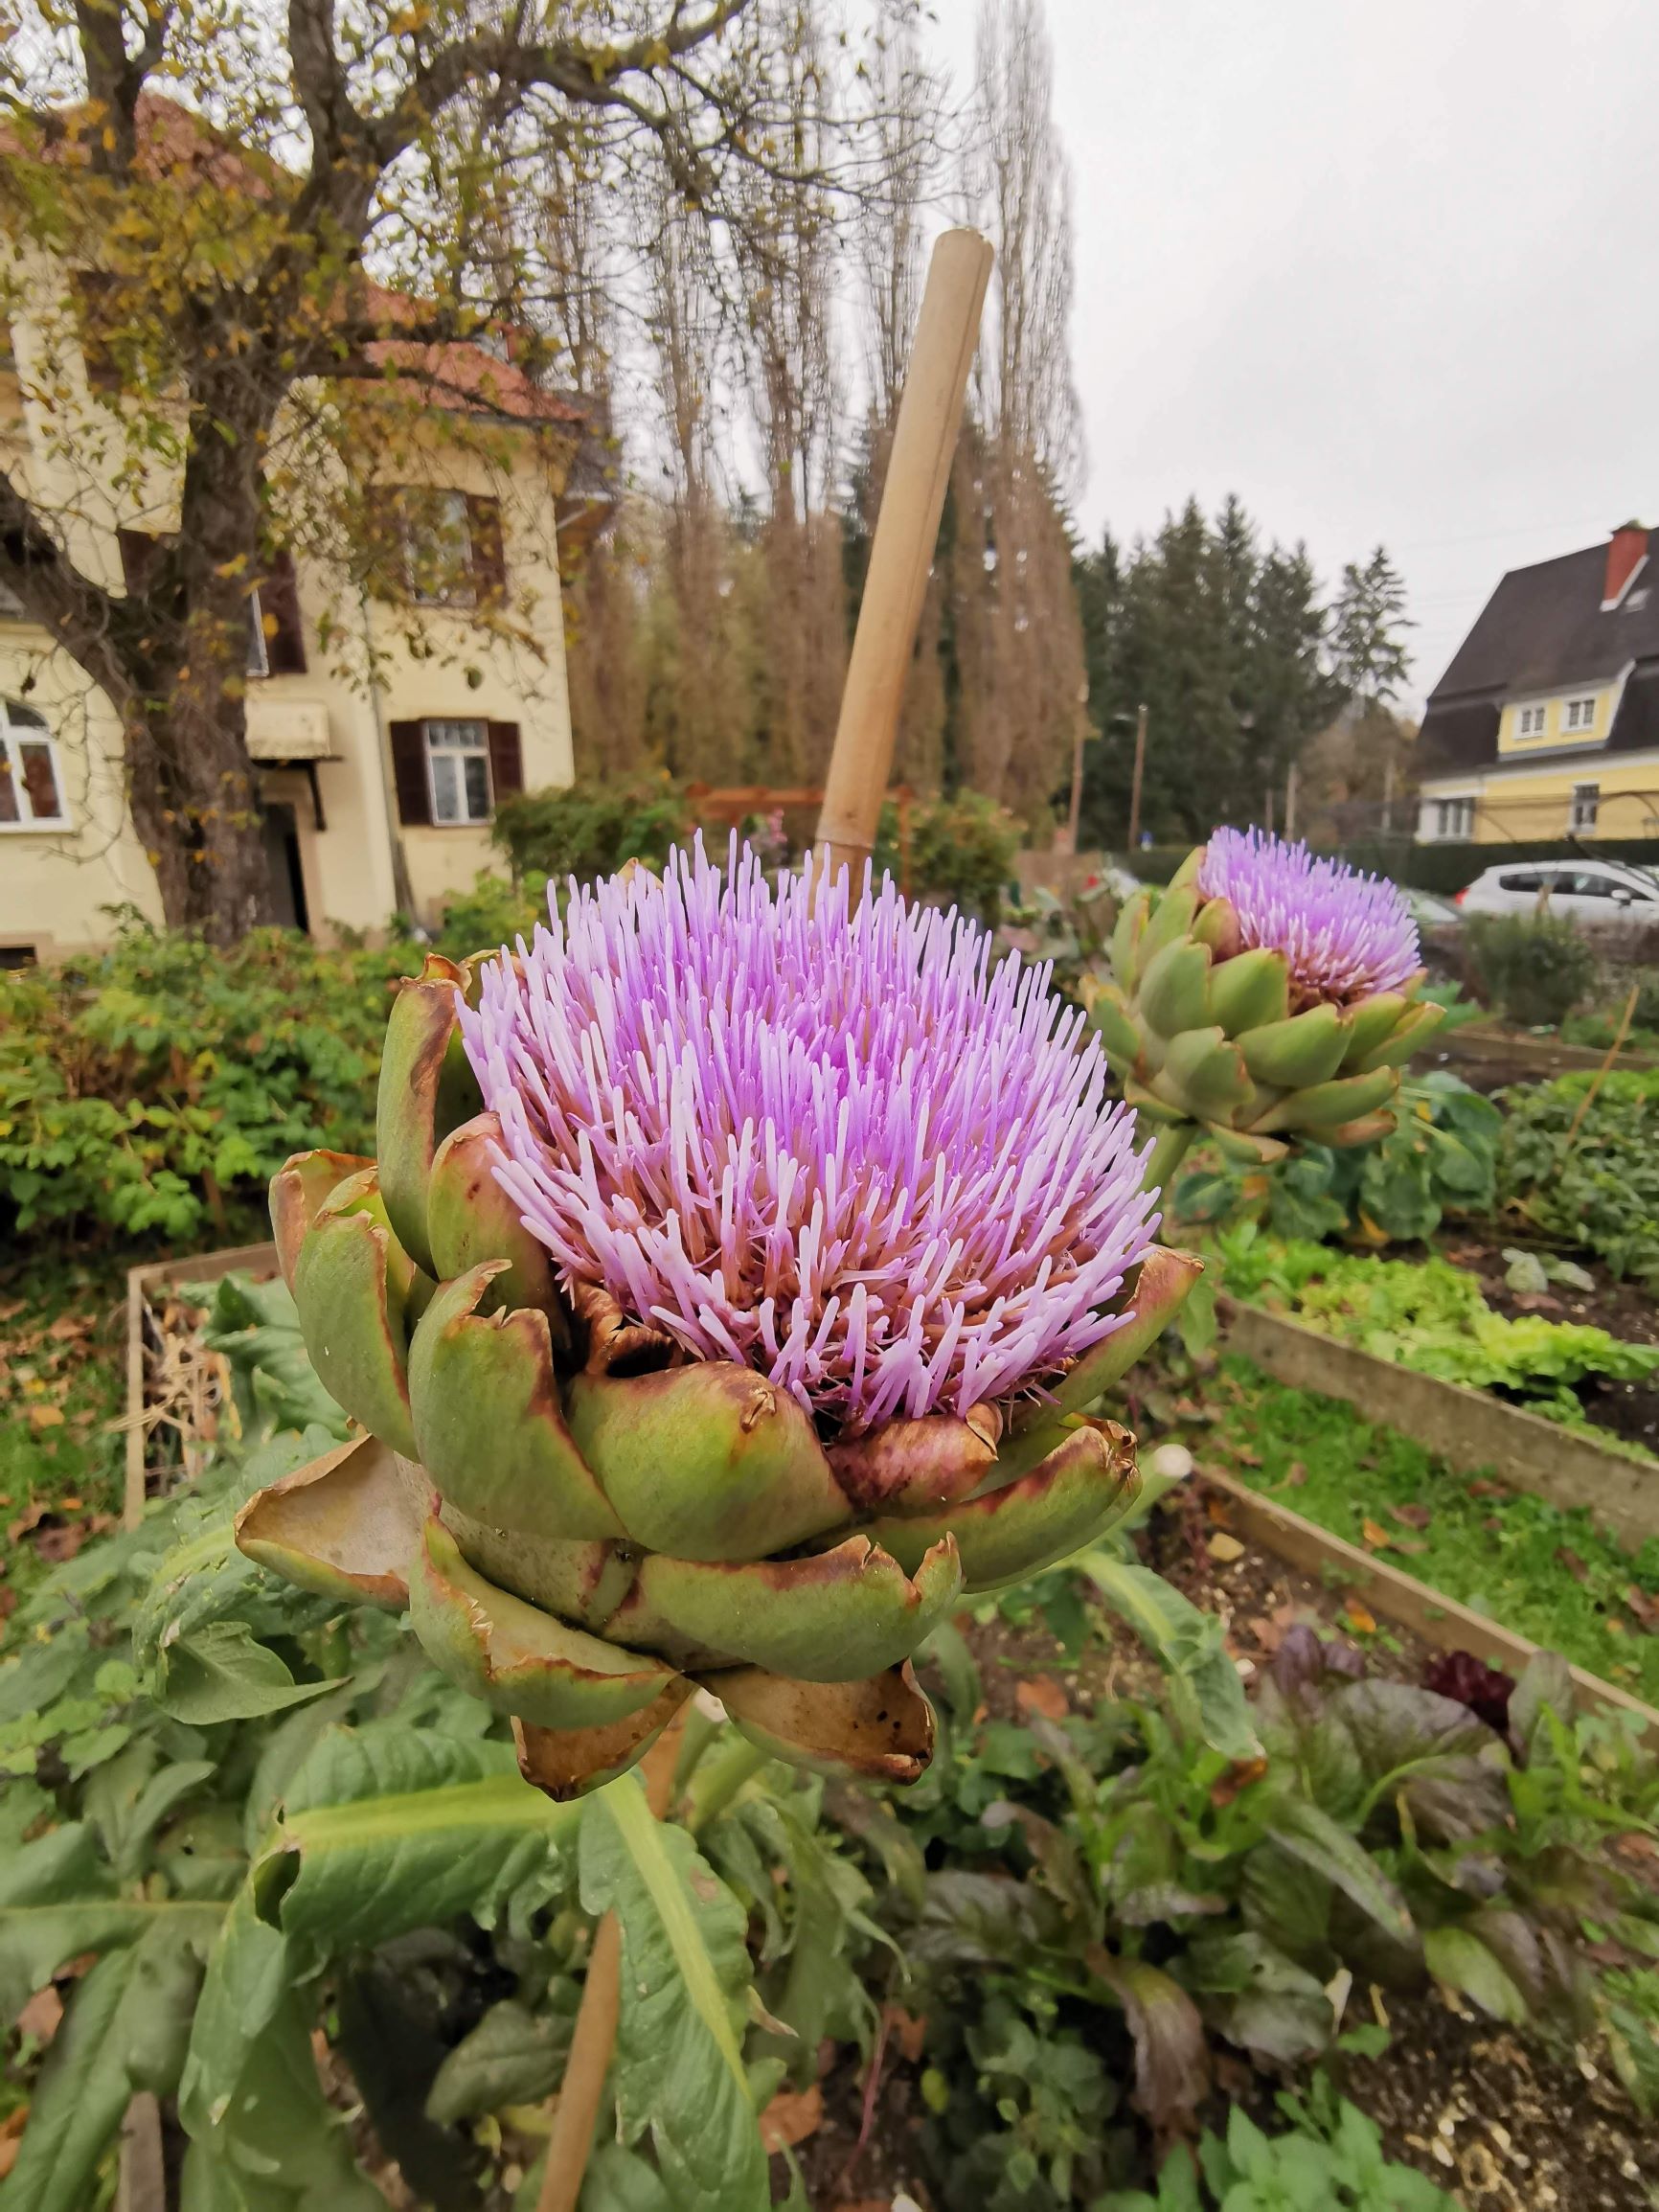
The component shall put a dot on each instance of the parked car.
(1589, 892)
(1428, 910)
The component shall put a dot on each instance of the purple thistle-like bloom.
(1345, 936)
(853, 1155)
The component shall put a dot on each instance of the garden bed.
(1472, 1430)
(1488, 1055)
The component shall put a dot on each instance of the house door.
(282, 865)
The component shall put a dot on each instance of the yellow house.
(1546, 725)
(385, 725)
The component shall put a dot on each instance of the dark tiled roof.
(1543, 628)
(1457, 734)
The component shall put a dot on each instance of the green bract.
(1202, 1029)
(583, 1523)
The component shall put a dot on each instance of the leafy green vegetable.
(1591, 1178)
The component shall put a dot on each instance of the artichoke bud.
(1308, 1048)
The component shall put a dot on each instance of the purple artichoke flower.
(1346, 935)
(854, 1154)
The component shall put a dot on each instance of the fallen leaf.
(1295, 1475)
(1224, 1549)
(12, 1307)
(57, 1544)
(1412, 1516)
(1410, 1545)
(71, 1503)
(1646, 1611)
(1361, 1617)
(793, 2116)
(29, 1518)
(1374, 1531)
(46, 1416)
(909, 2031)
(1245, 1457)
(1041, 1695)
(41, 2017)
(1480, 1486)
(1238, 1777)
(1573, 1563)
(68, 1325)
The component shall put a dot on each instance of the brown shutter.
(409, 772)
(280, 612)
(140, 552)
(506, 760)
(484, 537)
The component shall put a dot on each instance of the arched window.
(31, 780)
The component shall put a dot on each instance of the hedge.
(1444, 868)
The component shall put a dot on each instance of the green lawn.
(1549, 1574)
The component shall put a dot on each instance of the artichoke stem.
(575, 2109)
(722, 1779)
(1169, 1149)
(698, 1732)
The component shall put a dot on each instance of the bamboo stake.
(576, 2108)
(901, 553)
(1600, 1075)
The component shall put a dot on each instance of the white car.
(1585, 891)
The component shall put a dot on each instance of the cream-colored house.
(386, 724)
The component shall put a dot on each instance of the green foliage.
(1550, 1575)
(590, 830)
(1431, 1317)
(1440, 1158)
(1331, 2160)
(494, 912)
(1595, 1185)
(1533, 968)
(962, 853)
(139, 1085)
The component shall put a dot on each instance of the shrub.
(1533, 968)
(589, 829)
(494, 912)
(140, 1086)
(960, 853)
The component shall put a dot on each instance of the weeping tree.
(250, 252)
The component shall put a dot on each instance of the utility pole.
(1084, 731)
(1269, 803)
(1135, 785)
(1388, 795)
(1291, 801)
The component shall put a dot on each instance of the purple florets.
(1345, 935)
(856, 1155)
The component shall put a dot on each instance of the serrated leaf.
(679, 2067)
(1189, 1644)
(219, 1673)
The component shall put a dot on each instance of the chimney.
(1626, 551)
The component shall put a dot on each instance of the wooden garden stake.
(576, 2108)
(901, 551)
(900, 555)
(1600, 1075)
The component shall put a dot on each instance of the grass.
(1549, 1574)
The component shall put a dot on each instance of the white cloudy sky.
(1389, 269)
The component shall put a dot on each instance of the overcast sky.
(1389, 269)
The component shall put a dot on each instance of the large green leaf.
(389, 1828)
(58, 1901)
(1205, 1690)
(1316, 1841)
(125, 2031)
(218, 1673)
(679, 2065)
(257, 1328)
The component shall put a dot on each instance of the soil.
(1511, 2126)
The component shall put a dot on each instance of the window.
(31, 785)
(443, 548)
(1524, 880)
(458, 771)
(1530, 722)
(1581, 714)
(1454, 818)
(258, 659)
(1586, 799)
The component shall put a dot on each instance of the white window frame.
(437, 743)
(1581, 712)
(1581, 814)
(20, 726)
(1530, 721)
(1454, 820)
